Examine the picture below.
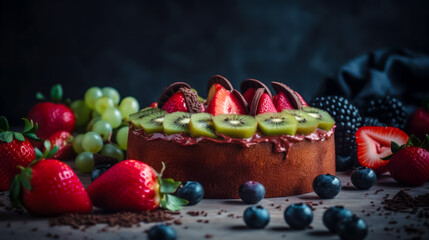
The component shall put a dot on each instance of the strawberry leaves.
(413, 141)
(7, 136)
(167, 187)
(56, 94)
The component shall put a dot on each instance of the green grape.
(91, 95)
(112, 151)
(103, 128)
(111, 93)
(103, 103)
(112, 116)
(92, 142)
(81, 112)
(128, 106)
(92, 122)
(85, 162)
(122, 137)
(77, 144)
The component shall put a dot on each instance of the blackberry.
(387, 109)
(347, 120)
(369, 121)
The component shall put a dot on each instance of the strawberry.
(52, 116)
(281, 102)
(249, 94)
(63, 140)
(374, 143)
(132, 185)
(224, 102)
(265, 104)
(301, 99)
(175, 103)
(49, 188)
(213, 89)
(154, 105)
(418, 124)
(409, 163)
(15, 150)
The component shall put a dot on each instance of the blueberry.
(298, 215)
(363, 178)
(98, 170)
(256, 217)
(344, 163)
(161, 232)
(191, 191)
(333, 215)
(326, 186)
(352, 228)
(251, 192)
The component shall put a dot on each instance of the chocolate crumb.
(193, 213)
(209, 236)
(206, 221)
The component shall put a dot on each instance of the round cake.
(285, 159)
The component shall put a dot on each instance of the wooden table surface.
(229, 224)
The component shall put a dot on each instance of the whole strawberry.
(49, 188)
(134, 186)
(52, 116)
(409, 163)
(418, 124)
(63, 140)
(15, 150)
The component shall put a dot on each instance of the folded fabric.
(397, 72)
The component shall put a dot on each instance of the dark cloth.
(397, 72)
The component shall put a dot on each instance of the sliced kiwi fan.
(325, 120)
(234, 125)
(306, 123)
(271, 124)
(201, 124)
(151, 123)
(177, 122)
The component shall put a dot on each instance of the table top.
(223, 218)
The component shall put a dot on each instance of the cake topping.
(191, 99)
(225, 102)
(170, 91)
(220, 80)
(249, 86)
(261, 103)
(241, 99)
(290, 95)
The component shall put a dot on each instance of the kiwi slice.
(150, 123)
(325, 120)
(177, 122)
(201, 124)
(143, 113)
(271, 124)
(235, 125)
(306, 123)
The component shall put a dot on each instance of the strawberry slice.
(373, 143)
(249, 94)
(175, 103)
(213, 89)
(265, 104)
(224, 102)
(282, 102)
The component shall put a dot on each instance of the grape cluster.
(102, 119)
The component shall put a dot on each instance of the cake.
(278, 140)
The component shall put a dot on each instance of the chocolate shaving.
(169, 91)
(121, 219)
(191, 100)
(241, 99)
(290, 94)
(253, 83)
(221, 80)
(255, 101)
(403, 200)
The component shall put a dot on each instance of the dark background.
(140, 47)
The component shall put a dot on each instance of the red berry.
(282, 102)
(224, 102)
(52, 117)
(410, 166)
(265, 104)
(63, 140)
(418, 123)
(249, 94)
(374, 143)
(175, 103)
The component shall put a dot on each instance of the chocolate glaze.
(281, 143)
